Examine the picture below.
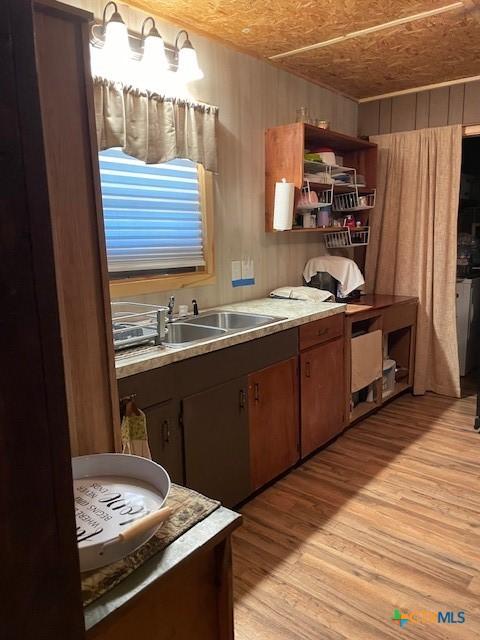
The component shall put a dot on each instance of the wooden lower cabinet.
(215, 427)
(322, 381)
(165, 438)
(191, 599)
(273, 418)
(227, 438)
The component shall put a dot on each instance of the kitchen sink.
(212, 324)
(181, 333)
(232, 321)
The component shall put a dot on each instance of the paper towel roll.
(283, 205)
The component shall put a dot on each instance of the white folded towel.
(342, 269)
(303, 293)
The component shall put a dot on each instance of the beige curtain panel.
(413, 243)
(153, 128)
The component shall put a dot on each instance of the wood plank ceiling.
(434, 49)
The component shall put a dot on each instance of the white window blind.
(153, 219)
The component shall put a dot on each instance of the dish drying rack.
(134, 324)
(346, 237)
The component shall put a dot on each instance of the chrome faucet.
(171, 307)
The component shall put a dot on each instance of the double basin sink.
(213, 324)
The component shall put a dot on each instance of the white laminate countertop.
(296, 312)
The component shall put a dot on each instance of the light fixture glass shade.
(116, 52)
(188, 68)
(154, 53)
(154, 64)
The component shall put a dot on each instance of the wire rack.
(354, 201)
(347, 238)
(324, 197)
(134, 324)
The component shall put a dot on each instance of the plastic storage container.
(388, 382)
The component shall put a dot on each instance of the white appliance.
(468, 323)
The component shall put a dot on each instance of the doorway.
(468, 259)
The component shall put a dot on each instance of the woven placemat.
(189, 508)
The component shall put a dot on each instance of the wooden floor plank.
(386, 517)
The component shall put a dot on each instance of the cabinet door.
(215, 425)
(322, 394)
(273, 414)
(165, 438)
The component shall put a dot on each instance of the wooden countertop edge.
(203, 536)
(400, 300)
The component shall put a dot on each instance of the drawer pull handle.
(322, 332)
(256, 392)
(166, 431)
(243, 399)
(307, 369)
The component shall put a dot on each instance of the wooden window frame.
(137, 285)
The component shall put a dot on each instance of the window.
(156, 223)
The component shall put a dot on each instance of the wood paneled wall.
(252, 95)
(456, 104)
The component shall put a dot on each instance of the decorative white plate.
(112, 491)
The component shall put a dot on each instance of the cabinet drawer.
(321, 331)
(399, 316)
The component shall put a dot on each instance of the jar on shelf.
(324, 217)
(302, 115)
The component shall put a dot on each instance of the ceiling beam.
(379, 27)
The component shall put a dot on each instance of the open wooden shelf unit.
(285, 147)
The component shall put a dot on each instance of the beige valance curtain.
(154, 128)
(413, 243)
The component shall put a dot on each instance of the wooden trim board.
(426, 87)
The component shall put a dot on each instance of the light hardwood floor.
(387, 517)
